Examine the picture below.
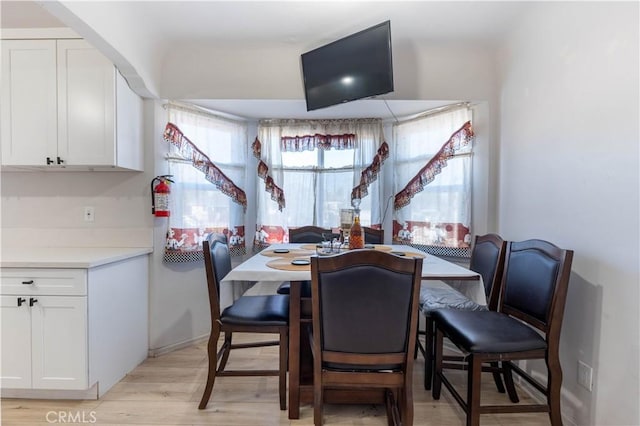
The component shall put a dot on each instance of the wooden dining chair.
(306, 234)
(372, 235)
(526, 326)
(309, 234)
(248, 314)
(487, 259)
(365, 320)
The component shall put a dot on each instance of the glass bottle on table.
(356, 236)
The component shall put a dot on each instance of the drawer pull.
(32, 301)
(21, 300)
(27, 282)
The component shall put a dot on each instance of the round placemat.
(290, 254)
(378, 247)
(408, 253)
(284, 264)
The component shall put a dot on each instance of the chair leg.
(554, 383)
(392, 406)
(474, 375)
(497, 378)
(407, 405)
(225, 350)
(428, 353)
(508, 382)
(282, 375)
(212, 350)
(317, 402)
(437, 380)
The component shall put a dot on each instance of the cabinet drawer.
(50, 282)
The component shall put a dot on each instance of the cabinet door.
(86, 105)
(128, 126)
(59, 342)
(28, 108)
(16, 343)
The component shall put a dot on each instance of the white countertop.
(66, 257)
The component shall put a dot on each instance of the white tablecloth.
(433, 269)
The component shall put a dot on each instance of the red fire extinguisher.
(160, 196)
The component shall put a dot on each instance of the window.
(437, 214)
(208, 168)
(316, 164)
(320, 184)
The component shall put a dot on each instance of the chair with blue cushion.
(248, 314)
(526, 326)
(487, 259)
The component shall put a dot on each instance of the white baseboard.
(91, 393)
(534, 394)
(154, 352)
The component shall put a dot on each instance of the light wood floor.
(166, 391)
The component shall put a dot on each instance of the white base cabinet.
(16, 342)
(44, 345)
(73, 329)
(66, 106)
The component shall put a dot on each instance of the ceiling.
(310, 23)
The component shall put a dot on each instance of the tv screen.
(355, 67)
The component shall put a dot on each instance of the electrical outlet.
(89, 214)
(585, 376)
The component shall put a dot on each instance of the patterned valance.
(311, 142)
(277, 194)
(189, 151)
(426, 175)
(370, 174)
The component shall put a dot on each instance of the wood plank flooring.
(166, 391)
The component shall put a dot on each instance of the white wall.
(47, 208)
(569, 174)
(179, 302)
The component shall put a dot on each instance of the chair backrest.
(217, 264)
(309, 234)
(365, 302)
(373, 236)
(487, 259)
(535, 282)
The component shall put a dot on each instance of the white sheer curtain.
(316, 172)
(438, 216)
(205, 200)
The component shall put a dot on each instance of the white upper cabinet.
(29, 102)
(65, 105)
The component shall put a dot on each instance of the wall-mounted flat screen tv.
(355, 67)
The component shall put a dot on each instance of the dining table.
(290, 262)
